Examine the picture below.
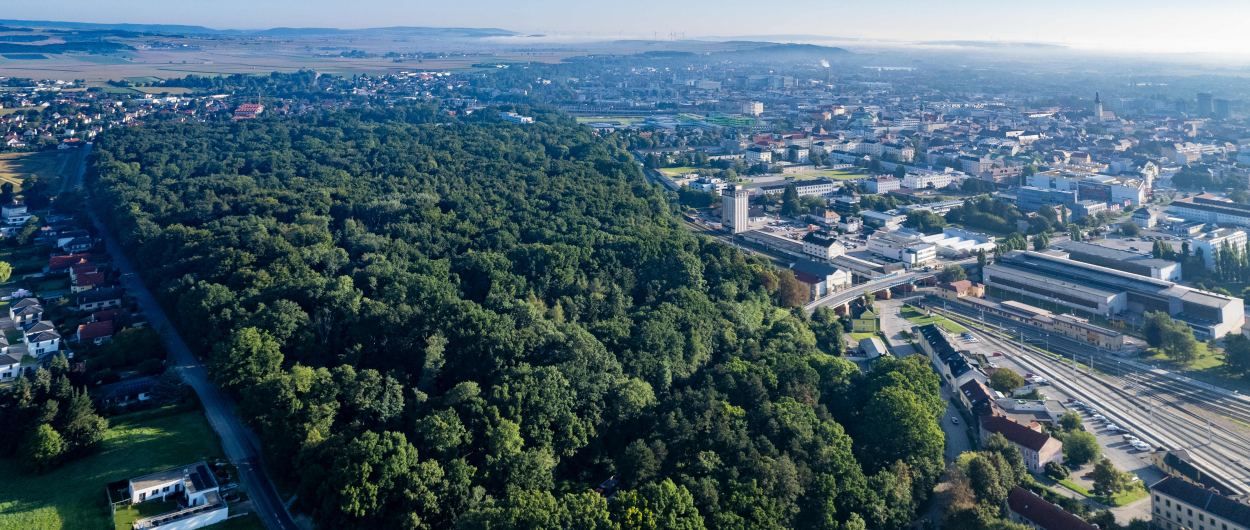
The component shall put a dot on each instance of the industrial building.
(1030, 199)
(1093, 186)
(955, 242)
(910, 250)
(1211, 209)
(821, 279)
(1122, 260)
(1110, 293)
(820, 187)
(735, 209)
(822, 246)
(1210, 244)
(1069, 326)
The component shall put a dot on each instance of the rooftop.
(1043, 513)
(1015, 432)
(1207, 500)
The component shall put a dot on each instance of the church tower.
(1098, 110)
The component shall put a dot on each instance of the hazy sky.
(1121, 25)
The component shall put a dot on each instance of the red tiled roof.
(65, 262)
(1042, 513)
(95, 330)
(1015, 432)
(90, 278)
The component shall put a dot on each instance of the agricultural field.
(47, 165)
(73, 495)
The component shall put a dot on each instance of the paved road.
(240, 443)
(892, 323)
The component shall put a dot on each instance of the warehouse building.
(1121, 260)
(1110, 293)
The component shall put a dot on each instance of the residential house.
(77, 244)
(1031, 510)
(86, 282)
(978, 399)
(26, 312)
(1037, 447)
(96, 299)
(42, 339)
(1177, 504)
(193, 488)
(95, 332)
(15, 214)
(57, 264)
(959, 289)
(10, 366)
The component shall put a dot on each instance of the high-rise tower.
(735, 206)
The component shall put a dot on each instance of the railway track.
(1220, 452)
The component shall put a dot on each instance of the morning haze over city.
(836, 265)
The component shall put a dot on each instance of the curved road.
(240, 443)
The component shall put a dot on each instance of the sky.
(1188, 26)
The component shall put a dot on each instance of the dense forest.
(440, 322)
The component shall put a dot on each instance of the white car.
(1140, 445)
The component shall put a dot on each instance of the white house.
(10, 366)
(193, 488)
(15, 214)
(42, 339)
(25, 312)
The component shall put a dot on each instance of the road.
(892, 323)
(856, 291)
(1154, 414)
(240, 444)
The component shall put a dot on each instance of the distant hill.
(751, 50)
(178, 29)
(996, 44)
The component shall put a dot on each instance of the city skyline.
(1151, 26)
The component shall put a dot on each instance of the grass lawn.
(861, 336)
(917, 317)
(126, 517)
(1134, 494)
(623, 120)
(835, 174)
(1072, 485)
(171, 90)
(17, 167)
(56, 283)
(72, 496)
(677, 171)
(1209, 368)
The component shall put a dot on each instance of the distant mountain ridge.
(280, 31)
